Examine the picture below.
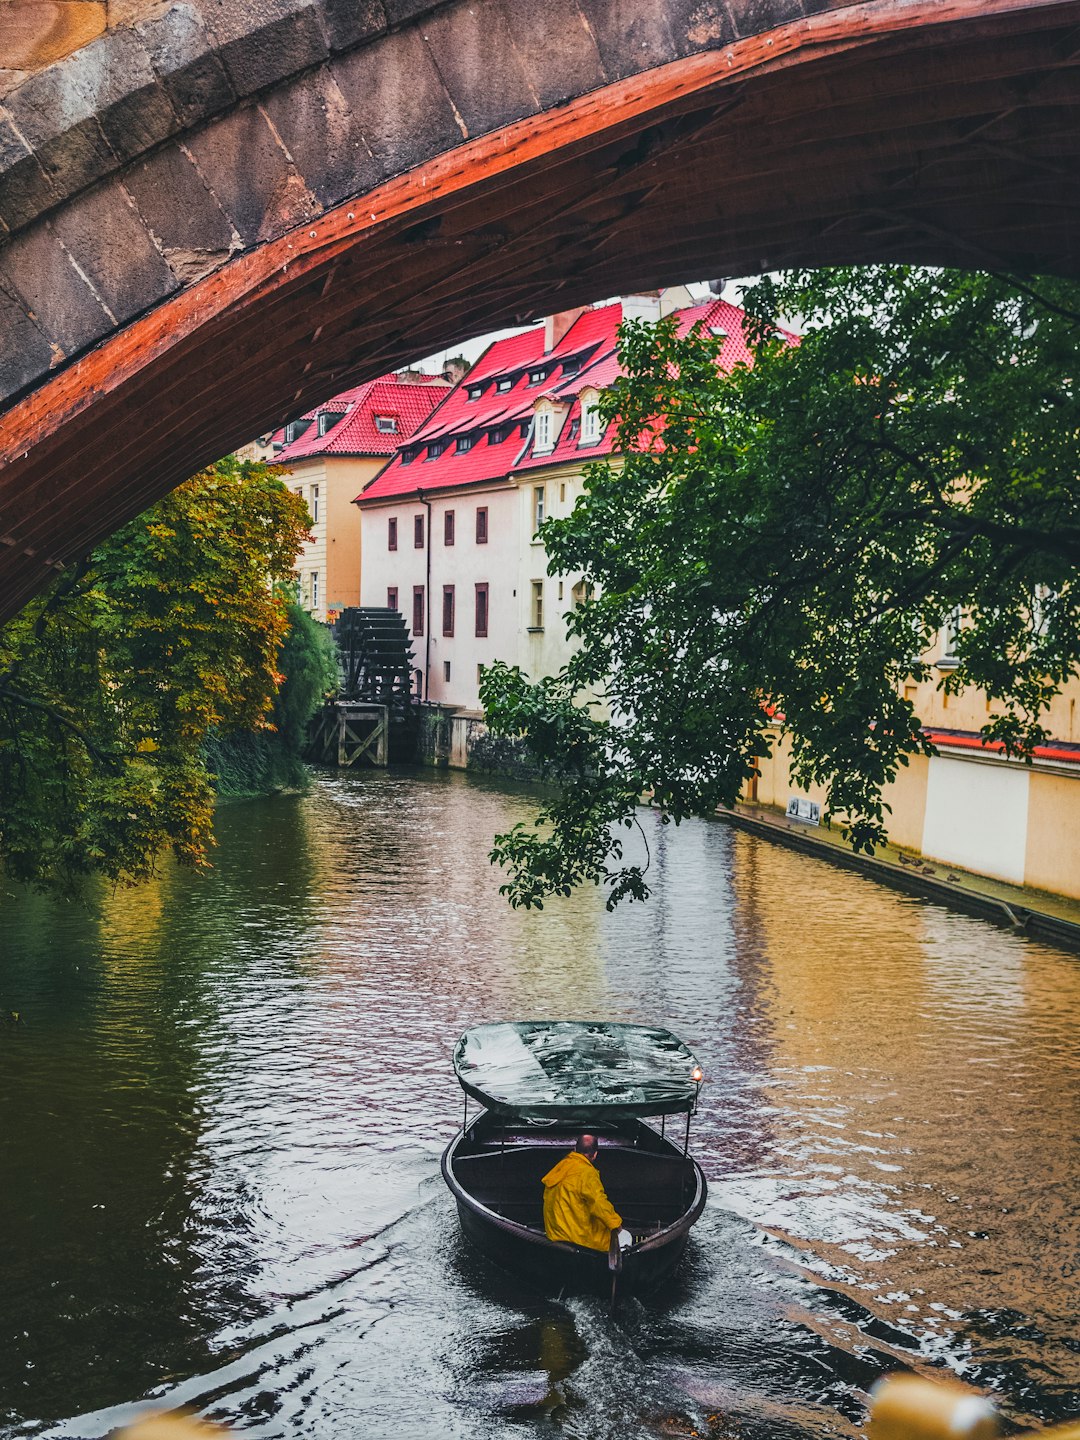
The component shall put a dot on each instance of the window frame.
(481, 592)
(539, 507)
(392, 597)
(448, 527)
(482, 528)
(418, 599)
(418, 532)
(448, 608)
(536, 607)
(391, 532)
(389, 428)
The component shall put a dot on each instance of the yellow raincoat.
(575, 1206)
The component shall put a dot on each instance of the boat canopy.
(577, 1071)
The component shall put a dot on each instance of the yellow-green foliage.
(111, 680)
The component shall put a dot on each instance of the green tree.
(111, 680)
(259, 762)
(785, 545)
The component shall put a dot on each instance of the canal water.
(222, 1109)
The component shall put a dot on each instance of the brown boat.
(541, 1083)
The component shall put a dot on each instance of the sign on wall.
(799, 808)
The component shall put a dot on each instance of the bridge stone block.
(251, 176)
(184, 58)
(475, 54)
(264, 41)
(54, 113)
(633, 35)
(556, 31)
(186, 222)
(323, 137)
(397, 96)
(25, 189)
(128, 273)
(352, 22)
(753, 16)
(37, 268)
(25, 353)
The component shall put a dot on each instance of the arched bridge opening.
(218, 212)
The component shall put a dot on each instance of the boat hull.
(499, 1201)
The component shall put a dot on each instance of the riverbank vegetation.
(121, 683)
(796, 539)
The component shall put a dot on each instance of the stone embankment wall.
(459, 740)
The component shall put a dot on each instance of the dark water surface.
(221, 1119)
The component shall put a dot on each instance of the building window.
(391, 597)
(446, 669)
(523, 429)
(408, 456)
(496, 436)
(386, 424)
(482, 609)
(475, 391)
(448, 527)
(314, 589)
(950, 634)
(543, 429)
(314, 506)
(538, 507)
(505, 384)
(448, 609)
(536, 613)
(481, 525)
(571, 366)
(464, 442)
(435, 449)
(562, 493)
(418, 610)
(418, 532)
(324, 423)
(479, 676)
(536, 376)
(590, 421)
(391, 533)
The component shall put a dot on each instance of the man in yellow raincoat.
(575, 1206)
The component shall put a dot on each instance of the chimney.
(556, 326)
(644, 305)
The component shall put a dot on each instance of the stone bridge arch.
(217, 212)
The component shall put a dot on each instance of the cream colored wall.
(547, 652)
(334, 549)
(1053, 836)
(346, 476)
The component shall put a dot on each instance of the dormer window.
(718, 331)
(507, 383)
(295, 429)
(590, 418)
(571, 366)
(435, 449)
(544, 431)
(475, 391)
(464, 442)
(328, 419)
(408, 456)
(386, 424)
(537, 377)
(496, 436)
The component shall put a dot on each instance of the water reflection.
(220, 1127)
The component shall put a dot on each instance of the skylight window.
(386, 424)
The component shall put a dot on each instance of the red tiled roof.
(410, 401)
(591, 341)
(1062, 751)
